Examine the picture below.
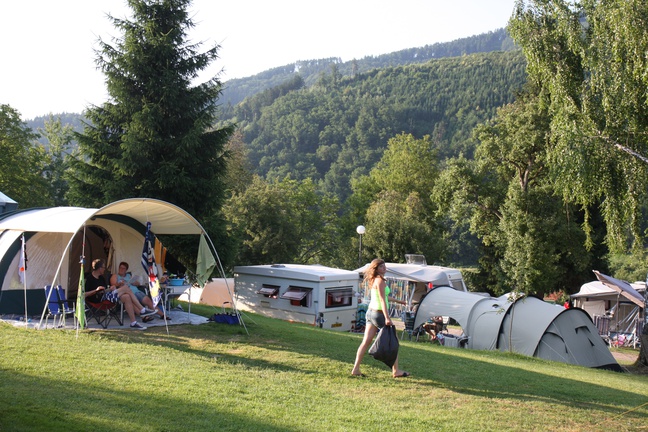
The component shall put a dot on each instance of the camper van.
(312, 294)
(417, 278)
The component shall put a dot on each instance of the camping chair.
(104, 312)
(408, 319)
(57, 306)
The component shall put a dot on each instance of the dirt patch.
(625, 357)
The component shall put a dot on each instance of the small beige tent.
(217, 293)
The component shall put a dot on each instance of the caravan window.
(298, 296)
(339, 297)
(269, 290)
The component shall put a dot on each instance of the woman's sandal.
(403, 375)
(147, 318)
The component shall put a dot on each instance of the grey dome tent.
(527, 326)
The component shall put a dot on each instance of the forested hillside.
(338, 128)
(236, 90)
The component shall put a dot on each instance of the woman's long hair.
(372, 271)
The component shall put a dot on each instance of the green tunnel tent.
(54, 242)
(525, 325)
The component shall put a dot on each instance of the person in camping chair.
(124, 279)
(433, 327)
(97, 290)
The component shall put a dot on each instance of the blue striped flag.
(148, 262)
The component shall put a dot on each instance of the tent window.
(269, 290)
(457, 284)
(339, 297)
(298, 296)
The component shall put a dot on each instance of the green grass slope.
(292, 377)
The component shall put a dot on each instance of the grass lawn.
(293, 377)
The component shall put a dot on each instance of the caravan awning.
(413, 272)
(165, 217)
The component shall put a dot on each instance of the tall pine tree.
(154, 136)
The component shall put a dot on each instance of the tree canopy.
(283, 221)
(154, 136)
(534, 243)
(22, 163)
(589, 60)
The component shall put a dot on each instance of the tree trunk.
(643, 353)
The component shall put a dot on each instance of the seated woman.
(123, 279)
(97, 290)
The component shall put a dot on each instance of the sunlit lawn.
(292, 377)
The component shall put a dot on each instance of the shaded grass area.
(292, 377)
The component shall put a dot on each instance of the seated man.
(96, 290)
(434, 327)
(123, 279)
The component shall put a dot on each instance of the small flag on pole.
(148, 262)
(22, 265)
(80, 306)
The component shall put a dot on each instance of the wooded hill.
(330, 120)
(236, 90)
(337, 128)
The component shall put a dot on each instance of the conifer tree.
(154, 136)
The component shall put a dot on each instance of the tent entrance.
(98, 244)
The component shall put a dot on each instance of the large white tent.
(56, 237)
(525, 325)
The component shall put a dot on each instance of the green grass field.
(293, 377)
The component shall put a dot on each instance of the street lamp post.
(360, 230)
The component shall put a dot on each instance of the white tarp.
(622, 287)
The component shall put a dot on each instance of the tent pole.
(23, 258)
(222, 272)
(56, 276)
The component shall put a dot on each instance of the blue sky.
(47, 46)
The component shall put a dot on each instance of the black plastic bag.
(385, 347)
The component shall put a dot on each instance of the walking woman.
(377, 314)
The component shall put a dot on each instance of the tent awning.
(622, 287)
(165, 217)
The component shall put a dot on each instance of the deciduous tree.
(59, 151)
(22, 161)
(589, 59)
(284, 221)
(532, 242)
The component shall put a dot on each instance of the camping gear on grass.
(224, 318)
(615, 306)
